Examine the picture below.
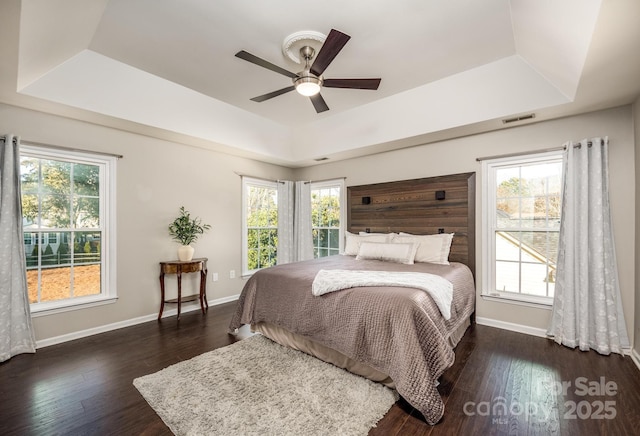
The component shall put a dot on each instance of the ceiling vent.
(520, 118)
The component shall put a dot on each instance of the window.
(326, 199)
(260, 223)
(521, 226)
(68, 218)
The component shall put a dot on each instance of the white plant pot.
(185, 253)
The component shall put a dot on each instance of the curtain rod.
(281, 181)
(60, 147)
(258, 178)
(523, 153)
(324, 180)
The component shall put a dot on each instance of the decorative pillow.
(431, 248)
(352, 243)
(400, 253)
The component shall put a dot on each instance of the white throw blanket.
(440, 289)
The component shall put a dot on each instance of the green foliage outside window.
(262, 227)
(63, 196)
(325, 219)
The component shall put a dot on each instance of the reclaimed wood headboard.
(416, 206)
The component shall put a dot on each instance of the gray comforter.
(398, 331)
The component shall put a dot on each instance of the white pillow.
(352, 243)
(431, 248)
(400, 253)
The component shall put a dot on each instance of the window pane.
(260, 225)
(534, 278)
(29, 175)
(55, 211)
(86, 179)
(56, 177)
(509, 183)
(528, 213)
(252, 259)
(86, 247)
(541, 245)
(508, 213)
(55, 283)
(48, 256)
(32, 249)
(323, 241)
(86, 212)
(59, 195)
(334, 238)
(63, 249)
(507, 276)
(325, 213)
(508, 246)
(527, 220)
(86, 280)
(252, 239)
(30, 210)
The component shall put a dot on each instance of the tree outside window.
(261, 225)
(325, 219)
(63, 227)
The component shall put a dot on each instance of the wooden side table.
(178, 267)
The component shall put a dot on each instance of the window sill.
(529, 301)
(66, 306)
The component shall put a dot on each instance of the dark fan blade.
(352, 83)
(264, 64)
(319, 103)
(273, 94)
(329, 50)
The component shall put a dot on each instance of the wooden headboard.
(413, 206)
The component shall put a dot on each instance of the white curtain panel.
(16, 331)
(302, 235)
(587, 308)
(286, 200)
(295, 240)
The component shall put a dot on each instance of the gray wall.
(459, 155)
(154, 179)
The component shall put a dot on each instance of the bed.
(395, 335)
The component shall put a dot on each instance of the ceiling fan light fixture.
(307, 85)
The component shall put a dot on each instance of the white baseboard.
(541, 333)
(187, 307)
(528, 330)
(635, 357)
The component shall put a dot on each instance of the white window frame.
(339, 183)
(245, 240)
(108, 282)
(489, 167)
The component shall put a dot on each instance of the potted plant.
(186, 230)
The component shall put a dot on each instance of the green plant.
(185, 229)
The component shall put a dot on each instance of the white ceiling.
(167, 68)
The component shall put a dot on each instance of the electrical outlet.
(215, 277)
(232, 274)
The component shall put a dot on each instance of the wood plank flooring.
(502, 383)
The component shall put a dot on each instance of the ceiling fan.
(309, 81)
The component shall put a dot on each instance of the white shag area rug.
(258, 387)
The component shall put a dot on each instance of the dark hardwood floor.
(84, 387)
